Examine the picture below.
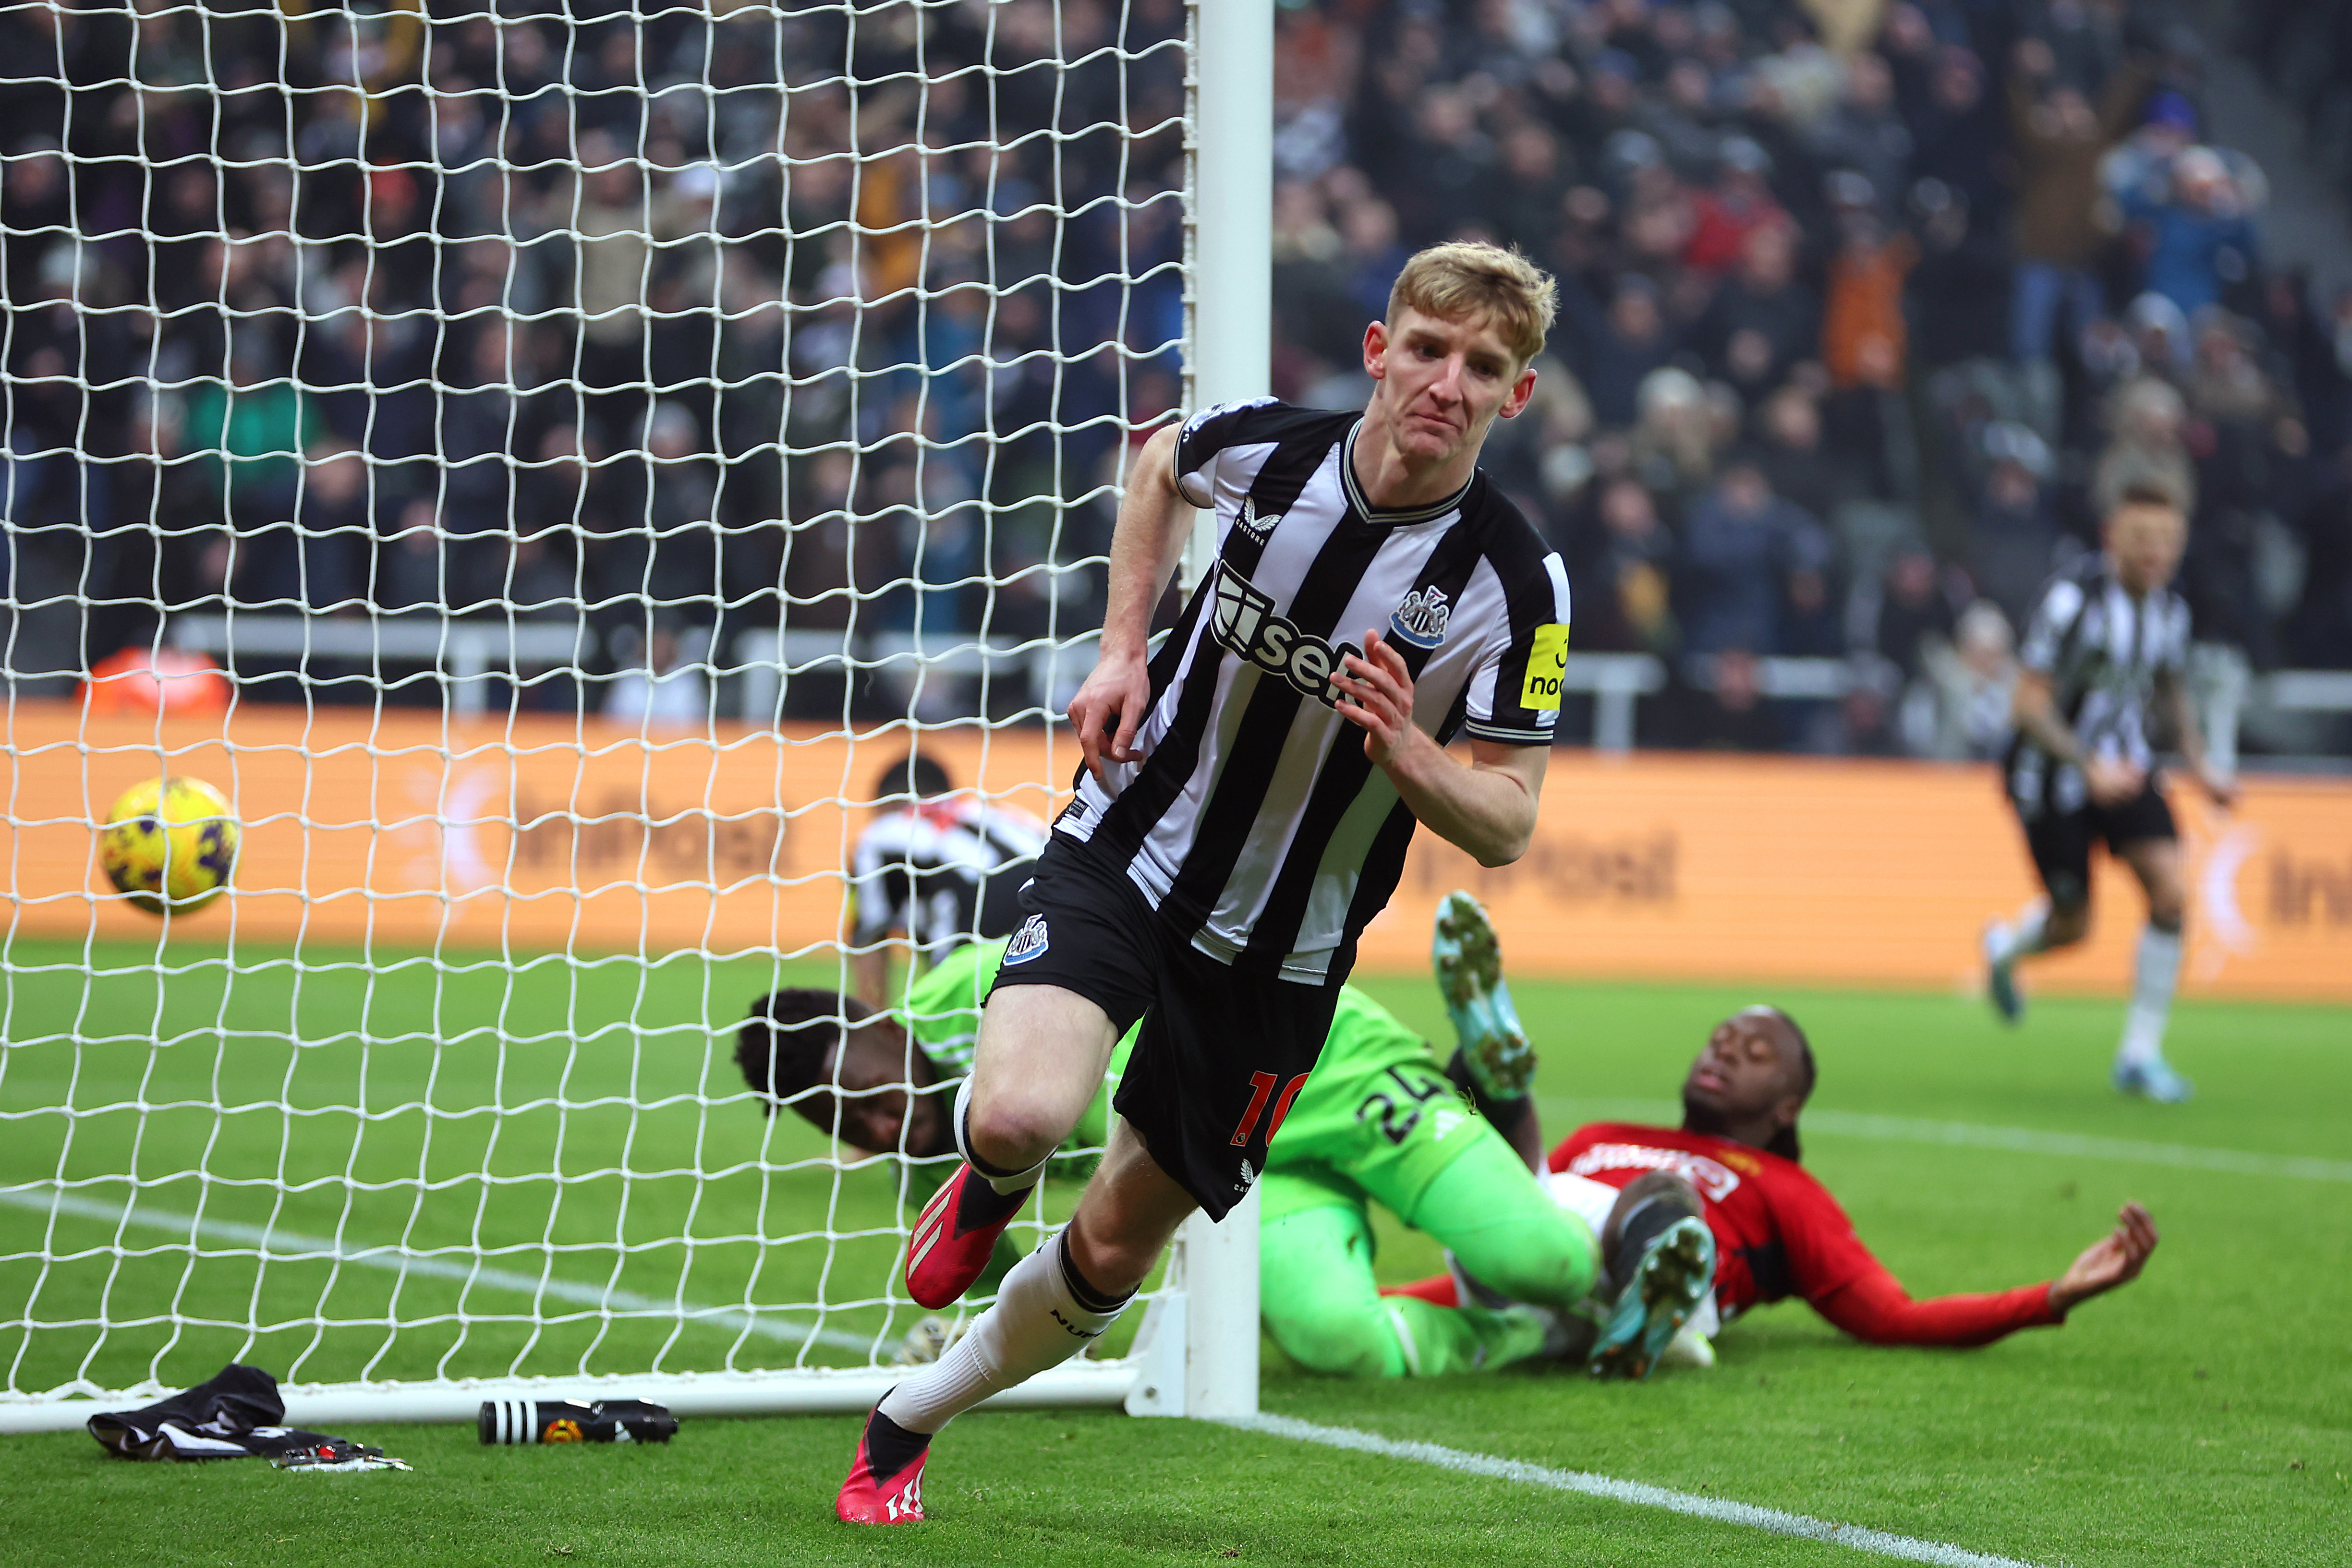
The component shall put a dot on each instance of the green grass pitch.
(2204, 1416)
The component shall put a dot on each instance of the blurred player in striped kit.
(2104, 662)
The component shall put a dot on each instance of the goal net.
(547, 467)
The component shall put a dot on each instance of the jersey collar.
(1391, 517)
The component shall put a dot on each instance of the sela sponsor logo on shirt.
(1027, 942)
(1421, 619)
(1244, 621)
(1252, 523)
(1712, 1180)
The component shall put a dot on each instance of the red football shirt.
(1779, 1233)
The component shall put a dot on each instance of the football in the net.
(169, 845)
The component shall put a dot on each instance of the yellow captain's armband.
(1547, 662)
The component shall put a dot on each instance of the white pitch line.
(1637, 1493)
(2015, 1140)
(293, 1244)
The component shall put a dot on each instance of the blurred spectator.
(252, 433)
(1763, 320)
(660, 685)
(1724, 709)
(1914, 612)
(2013, 544)
(2146, 417)
(1791, 455)
(2199, 240)
(1617, 347)
(1740, 202)
(1672, 446)
(2060, 140)
(1864, 336)
(1960, 711)
(1627, 569)
(1749, 558)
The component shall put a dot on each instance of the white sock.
(2022, 935)
(2154, 976)
(1037, 1323)
(1006, 1184)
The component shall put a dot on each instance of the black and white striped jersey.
(932, 870)
(2102, 649)
(1254, 822)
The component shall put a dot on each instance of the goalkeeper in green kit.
(1452, 1148)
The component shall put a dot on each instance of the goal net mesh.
(546, 466)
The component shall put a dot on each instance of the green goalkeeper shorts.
(1409, 1123)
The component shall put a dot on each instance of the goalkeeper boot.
(885, 1484)
(1469, 964)
(953, 1236)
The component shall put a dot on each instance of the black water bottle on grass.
(515, 1421)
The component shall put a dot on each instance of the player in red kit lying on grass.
(1778, 1232)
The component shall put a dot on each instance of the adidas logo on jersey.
(1244, 620)
(1027, 942)
(1421, 619)
(1251, 523)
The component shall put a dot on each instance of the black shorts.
(1221, 1055)
(2060, 842)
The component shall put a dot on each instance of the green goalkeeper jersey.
(1377, 1093)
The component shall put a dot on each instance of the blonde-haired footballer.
(1247, 798)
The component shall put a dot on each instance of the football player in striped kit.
(2103, 662)
(936, 866)
(1247, 798)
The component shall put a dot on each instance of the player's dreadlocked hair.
(1784, 1142)
(782, 1045)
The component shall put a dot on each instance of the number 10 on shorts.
(1261, 1091)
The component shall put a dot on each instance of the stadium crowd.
(702, 324)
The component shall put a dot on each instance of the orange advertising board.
(542, 833)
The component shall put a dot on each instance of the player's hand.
(2111, 780)
(1376, 695)
(2115, 1259)
(1111, 703)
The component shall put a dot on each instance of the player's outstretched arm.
(1487, 808)
(1153, 522)
(2115, 1259)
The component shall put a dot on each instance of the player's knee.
(2065, 924)
(2169, 919)
(1357, 1341)
(1012, 1131)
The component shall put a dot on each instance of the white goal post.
(544, 470)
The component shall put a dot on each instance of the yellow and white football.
(169, 845)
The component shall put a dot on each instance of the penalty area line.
(1637, 1494)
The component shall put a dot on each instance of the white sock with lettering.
(1037, 1323)
(2021, 936)
(2155, 976)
